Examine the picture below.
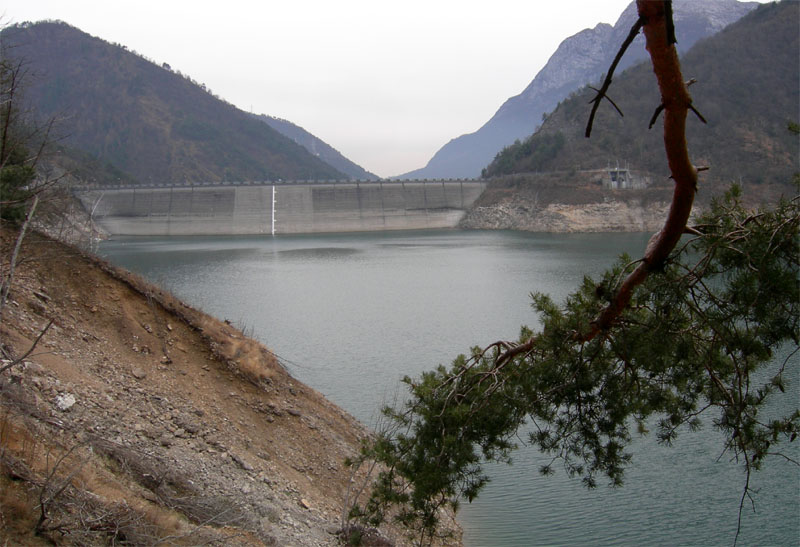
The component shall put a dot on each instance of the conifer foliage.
(683, 338)
(17, 170)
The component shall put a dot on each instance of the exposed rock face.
(575, 58)
(563, 202)
(607, 216)
(580, 59)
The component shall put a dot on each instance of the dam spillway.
(280, 208)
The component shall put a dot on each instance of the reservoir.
(351, 314)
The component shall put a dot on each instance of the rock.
(241, 462)
(149, 496)
(65, 401)
(190, 426)
(138, 373)
(304, 504)
(37, 307)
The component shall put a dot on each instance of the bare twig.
(6, 287)
(18, 360)
(660, 109)
(44, 498)
(619, 110)
(637, 26)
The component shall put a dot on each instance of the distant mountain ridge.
(147, 121)
(747, 88)
(579, 59)
(318, 148)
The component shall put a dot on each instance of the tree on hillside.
(17, 172)
(22, 144)
(687, 331)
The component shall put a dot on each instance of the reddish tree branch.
(655, 18)
(677, 102)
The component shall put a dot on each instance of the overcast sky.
(385, 83)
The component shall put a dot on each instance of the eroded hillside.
(139, 419)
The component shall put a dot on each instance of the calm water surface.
(351, 314)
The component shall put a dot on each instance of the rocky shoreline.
(609, 215)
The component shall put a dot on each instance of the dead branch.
(660, 109)
(671, 39)
(6, 286)
(18, 360)
(601, 93)
(45, 498)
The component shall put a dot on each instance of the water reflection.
(318, 253)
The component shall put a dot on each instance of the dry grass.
(242, 355)
(52, 494)
(172, 489)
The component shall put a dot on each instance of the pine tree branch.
(655, 18)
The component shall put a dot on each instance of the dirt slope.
(140, 419)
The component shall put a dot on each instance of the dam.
(279, 207)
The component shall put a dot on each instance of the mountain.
(747, 89)
(580, 59)
(318, 148)
(146, 120)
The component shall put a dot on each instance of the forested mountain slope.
(580, 59)
(318, 148)
(748, 90)
(146, 120)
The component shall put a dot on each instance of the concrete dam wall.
(281, 208)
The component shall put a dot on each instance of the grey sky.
(385, 83)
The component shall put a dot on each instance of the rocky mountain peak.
(577, 54)
(578, 60)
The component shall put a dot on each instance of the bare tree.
(23, 142)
